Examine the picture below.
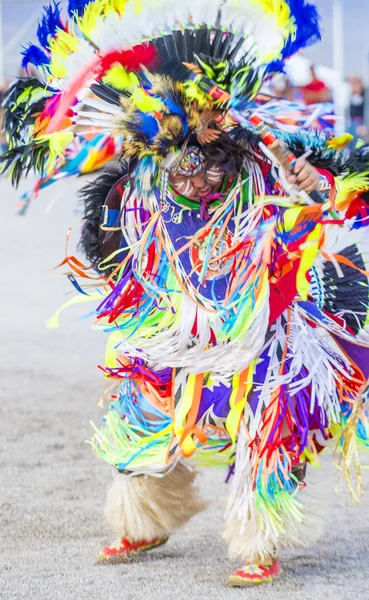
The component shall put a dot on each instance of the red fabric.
(282, 293)
(358, 207)
(328, 175)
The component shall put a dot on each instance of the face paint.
(190, 177)
(214, 175)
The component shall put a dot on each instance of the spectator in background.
(282, 88)
(316, 91)
(357, 107)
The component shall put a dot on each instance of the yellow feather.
(349, 186)
(146, 103)
(120, 79)
(63, 44)
(117, 5)
(338, 143)
(57, 68)
(58, 142)
(91, 16)
(193, 92)
(279, 9)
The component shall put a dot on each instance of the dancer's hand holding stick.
(297, 174)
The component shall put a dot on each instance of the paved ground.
(51, 485)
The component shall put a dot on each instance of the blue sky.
(356, 37)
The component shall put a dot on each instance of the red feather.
(131, 59)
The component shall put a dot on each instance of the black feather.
(226, 45)
(321, 157)
(185, 46)
(358, 159)
(107, 93)
(18, 162)
(19, 116)
(216, 43)
(350, 290)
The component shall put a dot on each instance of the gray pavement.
(51, 485)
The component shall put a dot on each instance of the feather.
(349, 187)
(22, 103)
(20, 161)
(118, 78)
(105, 92)
(307, 31)
(57, 143)
(145, 102)
(77, 7)
(339, 143)
(49, 23)
(132, 59)
(35, 56)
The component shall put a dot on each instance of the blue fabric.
(113, 217)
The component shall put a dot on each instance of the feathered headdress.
(157, 72)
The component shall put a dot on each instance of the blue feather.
(307, 26)
(276, 66)
(77, 6)
(172, 105)
(49, 23)
(148, 125)
(35, 56)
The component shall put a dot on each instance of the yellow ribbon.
(244, 379)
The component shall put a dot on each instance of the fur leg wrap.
(253, 545)
(143, 507)
(250, 540)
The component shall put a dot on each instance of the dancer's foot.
(253, 574)
(123, 549)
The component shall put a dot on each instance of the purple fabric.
(218, 398)
(181, 232)
(259, 378)
(358, 354)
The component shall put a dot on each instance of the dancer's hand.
(304, 175)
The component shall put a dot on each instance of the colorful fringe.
(226, 328)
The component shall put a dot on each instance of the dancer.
(234, 294)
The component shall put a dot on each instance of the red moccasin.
(254, 574)
(123, 549)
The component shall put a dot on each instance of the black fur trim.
(93, 197)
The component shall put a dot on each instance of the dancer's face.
(195, 187)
